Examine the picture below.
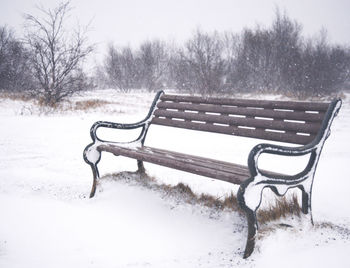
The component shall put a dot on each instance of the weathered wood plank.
(268, 113)
(293, 105)
(311, 128)
(232, 130)
(142, 155)
(202, 161)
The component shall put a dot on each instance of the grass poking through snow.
(90, 104)
(282, 207)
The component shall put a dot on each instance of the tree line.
(47, 61)
(275, 59)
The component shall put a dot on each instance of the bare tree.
(15, 74)
(325, 68)
(286, 44)
(180, 71)
(269, 59)
(153, 59)
(231, 47)
(121, 68)
(57, 53)
(254, 65)
(203, 55)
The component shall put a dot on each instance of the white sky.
(132, 21)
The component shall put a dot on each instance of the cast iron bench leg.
(96, 176)
(92, 156)
(140, 167)
(306, 203)
(251, 220)
(252, 223)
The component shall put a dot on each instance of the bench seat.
(207, 167)
(216, 169)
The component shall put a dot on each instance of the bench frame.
(250, 191)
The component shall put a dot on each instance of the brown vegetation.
(15, 96)
(90, 104)
(282, 207)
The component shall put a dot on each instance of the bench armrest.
(314, 147)
(143, 123)
(278, 150)
(114, 125)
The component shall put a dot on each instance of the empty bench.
(305, 125)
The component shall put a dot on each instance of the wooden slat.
(292, 122)
(293, 105)
(253, 133)
(203, 162)
(214, 164)
(142, 155)
(269, 113)
(311, 128)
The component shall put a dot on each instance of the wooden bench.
(306, 125)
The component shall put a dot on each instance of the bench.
(305, 125)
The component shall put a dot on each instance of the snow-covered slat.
(232, 130)
(233, 110)
(311, 128)
(283, 121)
(292, 105)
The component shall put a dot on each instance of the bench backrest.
(283, 121)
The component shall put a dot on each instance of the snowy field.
(48, 221)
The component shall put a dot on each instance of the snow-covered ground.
(48, 221)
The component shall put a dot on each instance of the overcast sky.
(131, 21)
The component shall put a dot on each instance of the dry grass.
(282, 207)
(18, 96)
(90, 104)
(65, 105)
(229, 202)
(83, 105)
(180, 191)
